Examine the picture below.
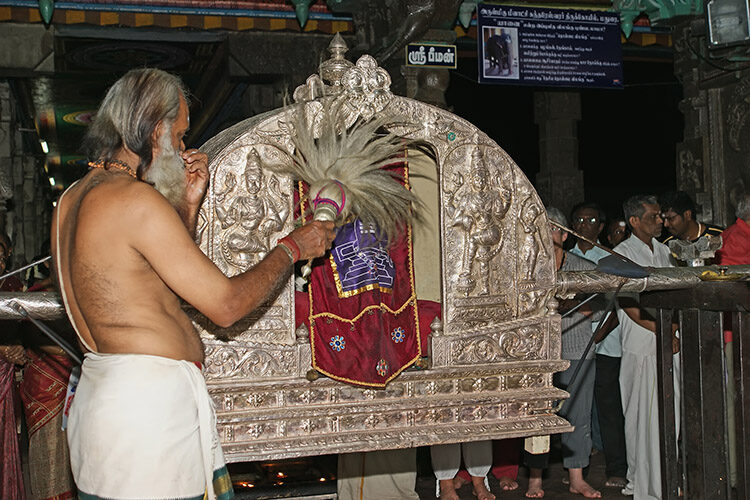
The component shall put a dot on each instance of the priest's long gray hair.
(130, 112)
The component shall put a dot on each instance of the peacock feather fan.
(354, 157)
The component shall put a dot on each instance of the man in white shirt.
(638, 373)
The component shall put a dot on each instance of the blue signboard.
(549, 47)
(431, 55)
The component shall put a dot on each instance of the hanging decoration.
(46, 8)
(302, 9)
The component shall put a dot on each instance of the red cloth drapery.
(368, 337)
(363, 317)
(11, 477)
(45, 383)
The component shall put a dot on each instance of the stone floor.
(314, 478)
(553, 486)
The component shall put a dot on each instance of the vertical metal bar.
(670, 467)
(692, 440)
(713, 408)
(727, 368)
(740, 326)
(683, 419)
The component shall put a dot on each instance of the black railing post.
(741, 327)
(705, 424)
(670, 467)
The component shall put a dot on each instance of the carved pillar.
(429, 84)
(6, 152)
(27, 197)
(31, 215)
(713, 161)
(559, 182)
(20, 181)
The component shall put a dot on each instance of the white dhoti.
(446, 460)
(640, 398)
(638, 383)
(144, 427)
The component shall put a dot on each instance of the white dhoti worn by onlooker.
(446, 460)
(638, 385)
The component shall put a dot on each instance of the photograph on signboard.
(500, 53)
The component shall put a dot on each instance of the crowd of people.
(613, 403)
(140, 345)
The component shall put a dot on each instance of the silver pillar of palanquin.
(48, 306)
(665, 278)
(45, 306)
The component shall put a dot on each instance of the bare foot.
(507, 484)
(447, 490)
(535, 488)
(480, 490)
(459, 482)
(585, 489)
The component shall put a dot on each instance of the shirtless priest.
(141, 424)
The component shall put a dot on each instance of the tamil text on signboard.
(431, 55)
(549, 47)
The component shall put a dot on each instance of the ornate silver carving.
(234, 361)
(45, 306)
(481, 229)
(362, 88)
(532, 245)
(311, 90)
(296, 417)
(332, 72)
(248, 208)
(478, 210)
(332, 69)
(667, 278)
(366, 87)
(738, 111)
(524, 343)
(249, 218)
(522, 339)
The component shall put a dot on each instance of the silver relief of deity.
(480, 211)
(477, 207)
(248, 208)
(249, 219)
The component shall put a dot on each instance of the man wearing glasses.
(678, 212)
(588, 221)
